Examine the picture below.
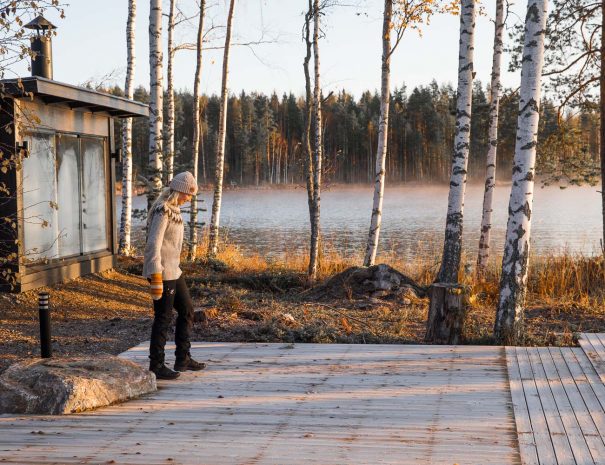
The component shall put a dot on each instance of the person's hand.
(156, 286)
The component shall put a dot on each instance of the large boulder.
(359, 282)
(67, 385)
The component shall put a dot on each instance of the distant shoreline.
(343, 186)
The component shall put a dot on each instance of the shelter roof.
(53, 92)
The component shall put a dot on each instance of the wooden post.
(447, 311)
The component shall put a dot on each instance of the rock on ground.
(67, 385)
(377, 281)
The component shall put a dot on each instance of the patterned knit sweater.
(164, 242)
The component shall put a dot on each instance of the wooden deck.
(559, 402)
(295, 404)
(593, 345)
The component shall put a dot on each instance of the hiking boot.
(163, 372)
(188, 364)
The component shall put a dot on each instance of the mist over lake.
(274, 222)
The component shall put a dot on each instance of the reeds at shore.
(563, 278)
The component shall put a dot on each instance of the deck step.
(559, 404)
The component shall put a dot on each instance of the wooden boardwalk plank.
(544, 444)
(591, 374)
(584, 417)
(559, 402)
(312, 404)
(573, 394)
(556, 429)
(527, 442)
(576, 394)
(596, 342)
(585, 452)
(599, 389)
(593, 406)
(594, 350)
(591, 400)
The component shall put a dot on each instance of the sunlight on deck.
(284, 404)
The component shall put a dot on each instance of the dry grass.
(256, 298)
(107, 312)
(553, 279)
(331, 261)
(566, 293)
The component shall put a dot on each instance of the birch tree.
(515, 262)
(155, 101)
(125, 220)
(490, 169)
(452, 247)
(317, 147)
(408, 13)
(196, 130)
(575, 70)
(220, 144)
(602, 120)
(169, 155)
(306, 136)
(383, 125)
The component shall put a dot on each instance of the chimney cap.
(40, 23)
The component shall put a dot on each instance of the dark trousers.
(175, 295)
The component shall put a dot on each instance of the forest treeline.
(264, 134)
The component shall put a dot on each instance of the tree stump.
(447, 311)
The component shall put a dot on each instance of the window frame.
(107, 166)
(48, 263)
(58, 134)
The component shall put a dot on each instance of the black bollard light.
(44, 314)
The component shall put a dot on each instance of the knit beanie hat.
(185, 183)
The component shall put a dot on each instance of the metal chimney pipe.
(42, 61)
(41, 47)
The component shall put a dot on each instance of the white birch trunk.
(383, 125)
(513, 283)
(169, 155)
(452, 247)
(602, 121)
(155, 101)
(306, 137)
(196, 131)
(490, 170)
(126, 218)
(201, 152)
(317, 149)
(220, 144)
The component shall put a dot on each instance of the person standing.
(168, 289)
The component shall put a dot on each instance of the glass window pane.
(94, 205)
(40, 225)
(68, 195)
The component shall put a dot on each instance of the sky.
(91, 44)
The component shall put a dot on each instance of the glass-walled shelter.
(57, 181)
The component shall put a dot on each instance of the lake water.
(276, 222)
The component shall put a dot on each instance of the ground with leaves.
(111, 311)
